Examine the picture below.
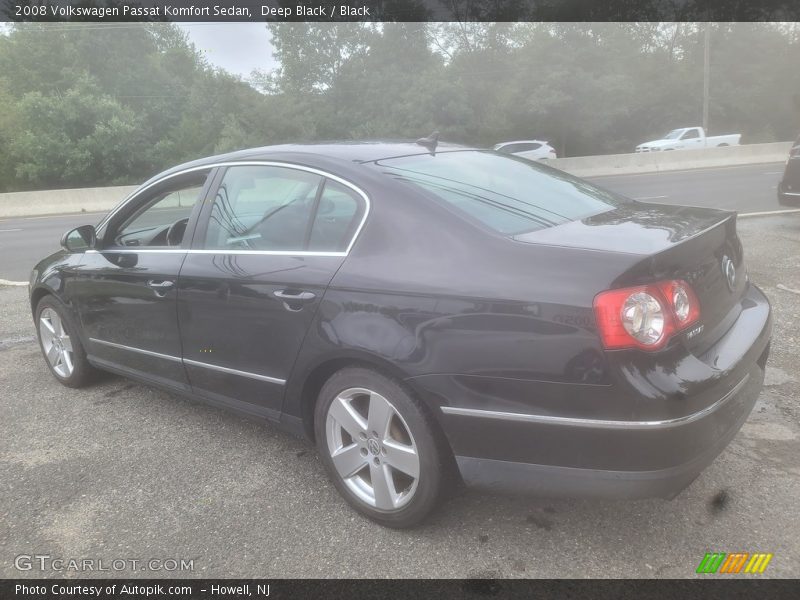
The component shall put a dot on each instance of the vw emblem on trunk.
(729, 269)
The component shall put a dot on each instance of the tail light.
(646, 316)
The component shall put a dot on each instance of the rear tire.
(379, 447)
(60, 344)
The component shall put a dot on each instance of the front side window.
(268, 208)
(161, 221)
(691, 134)
(507, 194)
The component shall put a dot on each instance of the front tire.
(60, 344)
(379, 447)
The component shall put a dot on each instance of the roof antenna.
(430, 142)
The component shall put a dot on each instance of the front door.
(125, 290)
(264, 252)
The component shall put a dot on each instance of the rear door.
(269, 242)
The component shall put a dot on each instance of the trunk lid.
(698, 245)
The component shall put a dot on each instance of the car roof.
(352, 151)
(522, 142)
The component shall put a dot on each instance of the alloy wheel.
(56, 343)
(372, 449)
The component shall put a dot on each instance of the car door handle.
(288, 296)
(160, 285)
(160, 288)
(294, 301)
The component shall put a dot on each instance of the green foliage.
(86, 104)
(588, 88)
(96, 105)
(79, 131)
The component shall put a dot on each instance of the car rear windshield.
(505, 193)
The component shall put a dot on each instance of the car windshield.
(674, 134)
(507, 194)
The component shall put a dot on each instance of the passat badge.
(694, 331)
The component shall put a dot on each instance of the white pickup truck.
(689, 138)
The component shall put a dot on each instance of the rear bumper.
(652, 455)
(716, 428)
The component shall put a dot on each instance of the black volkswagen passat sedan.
(789, 187)
(424, 314)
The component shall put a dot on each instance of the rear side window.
(282, 209)
(262, 208)
(336, 218)
(519, 147)
(509, 195)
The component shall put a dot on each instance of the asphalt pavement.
(750, 188)
(26, 240)
(121, 471)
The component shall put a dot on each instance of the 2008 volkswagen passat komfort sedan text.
(425, 314)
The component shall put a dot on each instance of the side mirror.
(79, 239)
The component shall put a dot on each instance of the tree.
(98, 104)
(64, 136)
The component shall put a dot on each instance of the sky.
(235, 47)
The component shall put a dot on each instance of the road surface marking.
(7, 282)
(780, 286)
(765, 213)
(4, 230)
(651, 197)
(774, 173)
(58, 216)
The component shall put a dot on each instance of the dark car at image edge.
(789, 187)
(427, 314)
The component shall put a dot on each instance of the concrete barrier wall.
(23, 204)
(61, 202)
(675, 160)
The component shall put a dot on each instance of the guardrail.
(673, 160)
(24, 204)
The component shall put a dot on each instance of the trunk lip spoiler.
(725, 216)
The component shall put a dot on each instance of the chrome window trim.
(187, 361)
(597, 423)
(136, 250)
(245, 163)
